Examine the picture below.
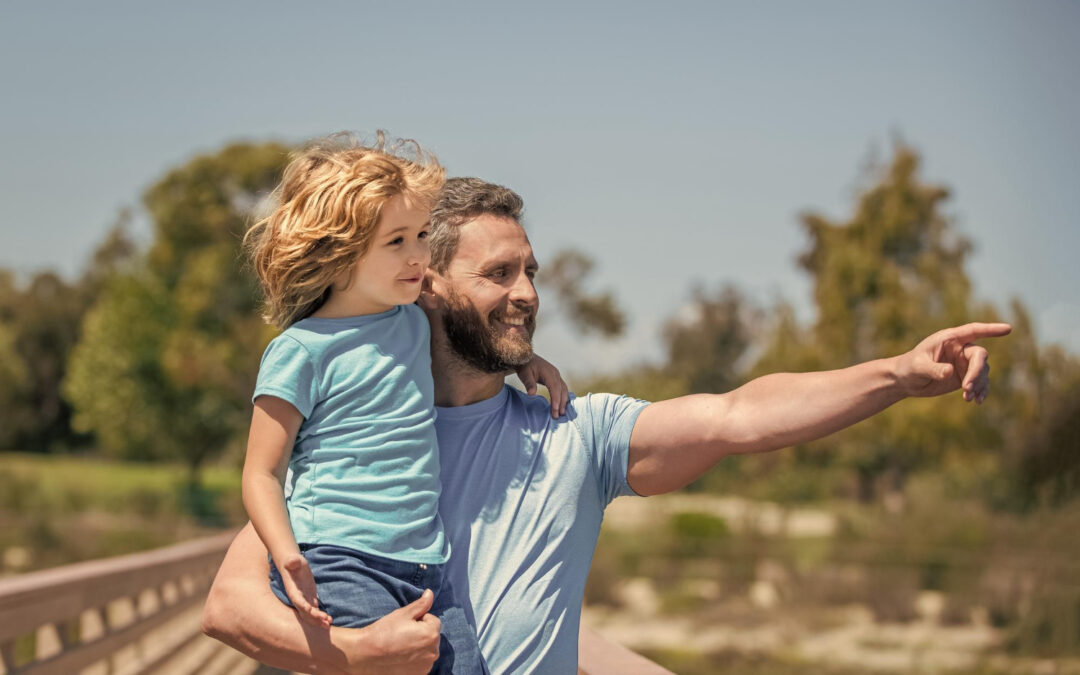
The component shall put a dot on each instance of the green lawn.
(61, 509)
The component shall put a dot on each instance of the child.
(344, 402)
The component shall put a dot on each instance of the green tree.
(892, 273)
(40, 320)
(169, 352)
(706, 347)
(883, 279)
(14, 375)
(708, 342)
(1034, 408)
(589, 312)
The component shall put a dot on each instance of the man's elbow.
(215, 620)
(211, 622)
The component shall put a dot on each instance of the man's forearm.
(675, 441)
(242, 612)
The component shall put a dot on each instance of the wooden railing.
(599, 656)
(134, 613)
(139, 614)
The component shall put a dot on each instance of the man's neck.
(456, 382)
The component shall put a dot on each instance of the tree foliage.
(158, 348)
(38, 327)
(706, 345)
(169, 352)
(589, 312)
(708, 342)
(884, 278)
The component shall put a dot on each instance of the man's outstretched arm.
(242, 612)
(676, 441)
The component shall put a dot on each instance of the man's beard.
(478, 343)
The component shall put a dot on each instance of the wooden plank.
(598, 656)
(160, 660)
(92, 652)
(7, 656)
(56, 595)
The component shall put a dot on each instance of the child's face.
(390, 272)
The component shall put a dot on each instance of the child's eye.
(397, 240)
(423, 235)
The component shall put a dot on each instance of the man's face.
(489, 301)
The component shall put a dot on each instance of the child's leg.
(355, 589)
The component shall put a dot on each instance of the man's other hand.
(404, 642)
(948, 360)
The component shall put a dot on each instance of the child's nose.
(419, 253)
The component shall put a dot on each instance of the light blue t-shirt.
(524, 496)
(364, 471)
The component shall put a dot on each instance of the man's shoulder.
(602, 403)
(588, 409)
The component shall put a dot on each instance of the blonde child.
(344, 402)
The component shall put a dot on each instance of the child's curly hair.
(328, 205)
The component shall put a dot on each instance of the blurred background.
(714, 190)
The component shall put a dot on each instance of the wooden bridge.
(140, 615)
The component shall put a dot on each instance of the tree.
(892, 273)
(597, 312)
(14, 375)
(169, 352)
(706, 347)
(40, 320)
(883, 279)
(708, 342)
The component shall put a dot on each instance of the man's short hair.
(462, 200)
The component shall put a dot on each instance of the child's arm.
(539, 370)
(274, 425)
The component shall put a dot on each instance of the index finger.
(976, 331)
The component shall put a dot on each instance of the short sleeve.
(287, 371)
(605, 422)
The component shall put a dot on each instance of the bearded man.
(523, 493)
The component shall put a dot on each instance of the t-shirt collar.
(485, 407)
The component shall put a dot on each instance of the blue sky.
(676, 144)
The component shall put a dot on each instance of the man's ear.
(428, 299)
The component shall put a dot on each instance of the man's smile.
(521, 324)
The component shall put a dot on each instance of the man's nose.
(524, 291)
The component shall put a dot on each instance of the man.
(524, 494)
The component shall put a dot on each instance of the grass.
(65, 484)
(62, 509)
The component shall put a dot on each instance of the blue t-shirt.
(524, 495)
(364, 470)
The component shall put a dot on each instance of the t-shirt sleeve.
(287, 371)
(606, 422)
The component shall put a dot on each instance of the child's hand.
(539, 370)
(300, 587)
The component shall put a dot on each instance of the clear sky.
(676, 143)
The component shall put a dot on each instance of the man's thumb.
(416, 609)
(943, 371)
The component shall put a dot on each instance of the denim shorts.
(357, 588)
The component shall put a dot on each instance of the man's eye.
(531, 274)
(499, 273)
